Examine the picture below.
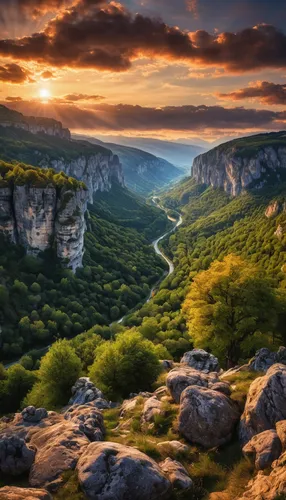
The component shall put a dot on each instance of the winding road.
(155, 244)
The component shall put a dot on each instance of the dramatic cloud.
(47, 75)
(32, 8)
(104, 117)
(13, 73)
(265, 92)
(82, 97)
(105, 36)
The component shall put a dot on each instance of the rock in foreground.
(109, 471)
(16, 457)
(264, 448)
(14, 493)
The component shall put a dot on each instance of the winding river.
(155, 244)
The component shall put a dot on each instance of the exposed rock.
(207, 417)
(264, 358)
(174, 446)
(14, 493)
(152, 407)
(264, 448)
(272, 487)
(201, 360)
(265, 404)
(161, 391)
(280, 231)
(234, 371)
(34, 415)
(110, 470)
(58, 450)
(167, 364)
(273, 209)
(22, 425)
(16, 456)
(84, 391)
(183, 376)
(89, 421)
(177, 474)
(281, 432)
(222, 387)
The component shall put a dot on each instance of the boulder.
(264, 448)
(207, 417)
(88, 419)
(268, 487)
(16, 457)
(281, 432)
(167, 364)
(152, 407)
(58, 450)
(25, 423)
(182, 377)
(264, 358)
(265, 404)
(84, 391)
(174, 447)
(34, 415)
(112, 471)
(201, 360)
(128, 406)
(177, 474)
(14, 493)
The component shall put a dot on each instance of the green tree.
(128, 364)
(230, 309)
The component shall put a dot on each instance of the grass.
(70, 489)
(241, 382)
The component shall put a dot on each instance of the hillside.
(143, 172)
(243, 163)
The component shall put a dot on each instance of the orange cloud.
(13, 73)
(264, 92)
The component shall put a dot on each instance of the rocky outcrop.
(274, 208)
(84, 391)
(88, 419)
(34, 415)
(263, 448)
(281, 432)
(238, 165)
(111, 470)
(201, 360)
(16, 457)
(40, 217)
(207, 417)
(152, 407)
(182, 377)
(177, 474)
(265, 404)
(264, 358)
(14, 493)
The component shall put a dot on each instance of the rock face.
(14, 493)
(177, 474)
(16, 456)
(274, 208)
(272, 487)
(201, 360)
(234, 167)
(84, 391)
(206, 417)
(34, 415)
(265, 404)
(89, 421)
(152, 407)
(183, 376)
(39, 217)
(281, 432)
(264, 358)
(264, 448)
(110, 470)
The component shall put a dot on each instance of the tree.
(128, 364)
(18, 382)
(59, 370)
(230, 309)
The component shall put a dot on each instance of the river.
(155, 244)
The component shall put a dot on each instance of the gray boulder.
(167, 364)
(16, 457)
(84, 391)
(34, 415)
(152, 407)
(109, 471)
(265, 404)
(207, 417)
(88, 419)
(264, 358)
(177, 474)
(263, 448)
(182, 377)
(14, 493)
(201, 360)
(281, 432)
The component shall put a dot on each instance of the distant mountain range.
(180, 155)
(143, 172)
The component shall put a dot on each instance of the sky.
(176, 69)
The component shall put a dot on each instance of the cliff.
(35, 125)
(243, 163)
(40, 210)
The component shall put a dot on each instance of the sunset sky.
(159, 68)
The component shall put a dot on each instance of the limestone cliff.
(39, 217)
(243, 163)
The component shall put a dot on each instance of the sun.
(45, 94)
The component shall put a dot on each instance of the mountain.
(143, 172)
(180, 155)
(243, 163)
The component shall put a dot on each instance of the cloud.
(106, 36)
(264, 92)
(14, 99)
(47, 75)
(32, 8)
(123, 117)
(13, 73)
(82, 97)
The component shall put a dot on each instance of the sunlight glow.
(45, 94)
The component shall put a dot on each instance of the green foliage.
(14, 385)
(59, 370)
(128, 364)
